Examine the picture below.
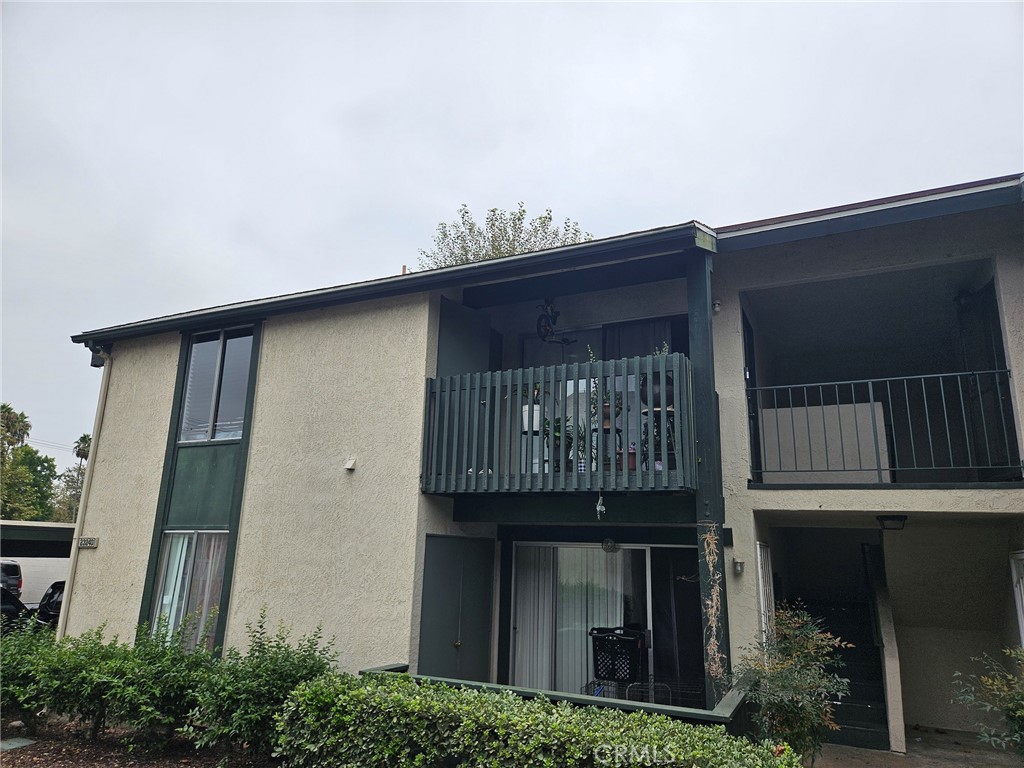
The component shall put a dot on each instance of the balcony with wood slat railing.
(607, 425)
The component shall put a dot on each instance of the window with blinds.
(216, 386)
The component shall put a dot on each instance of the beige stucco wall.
(127, 463)
(1009, 277)
(317, 543)
(949, 585)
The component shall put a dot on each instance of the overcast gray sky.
(160, 157)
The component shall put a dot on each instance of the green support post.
(709, 501)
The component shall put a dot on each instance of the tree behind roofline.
(504, 233)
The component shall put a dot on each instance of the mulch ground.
(63, 745)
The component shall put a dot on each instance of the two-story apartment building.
(469, 469)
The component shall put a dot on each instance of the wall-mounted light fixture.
(738, 566)
(892, 522)
(609, 546)
(716, 305)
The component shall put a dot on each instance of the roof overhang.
(624, 259)
(899, 209)
(485, 277)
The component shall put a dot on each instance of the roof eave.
(677, 238)
(945, 201)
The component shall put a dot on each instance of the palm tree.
(16, 425)
(82, 447)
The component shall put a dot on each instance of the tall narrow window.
(216, 387)
(190, 579)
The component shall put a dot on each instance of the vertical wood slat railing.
(607, 425)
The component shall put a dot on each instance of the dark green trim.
(620, 508)
(654, 536)
(170, 456)
(11, 531)
(1007, 485)
(504, 606)
(236, 504)
(724, 713)
(709, 500)
(167, 481)
(203, 487)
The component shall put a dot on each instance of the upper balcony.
(940, 428)
(896, 378)
(613, 425)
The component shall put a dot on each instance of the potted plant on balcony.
(660, 394)
(566, 440)
(602, 400)
(532, 411)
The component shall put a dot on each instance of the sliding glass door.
(561, 593)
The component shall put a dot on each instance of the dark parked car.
(49, 606)
(10, 576)
(13, 610)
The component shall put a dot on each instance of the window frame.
(172, 453)
(218, 382)
(173, 624)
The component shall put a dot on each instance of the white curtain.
(534, 617)
(191, 578)
(560, 593)
(207, 581)
(175, 565)
(590, 594)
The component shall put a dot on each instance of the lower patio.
(926, 748)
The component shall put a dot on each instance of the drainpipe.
(100, 357)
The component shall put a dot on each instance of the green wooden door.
(455, 622)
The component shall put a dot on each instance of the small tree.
(67, 493)
(26, 487)
(791, 679)
(503, 233)
(996, 689)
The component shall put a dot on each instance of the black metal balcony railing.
(602, 426)
(943, 428)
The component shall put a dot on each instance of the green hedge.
(158, 685)
(149, 686)
(282, 696)
(238, 699)
(390, 720)
(23, 653)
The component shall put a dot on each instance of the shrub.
(78, 677)
(156, 682)
(997, 689)
(23, 650)
(149, 686)
(790, 679)
(390, 720)
(238, 700)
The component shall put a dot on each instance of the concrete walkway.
(14, 743)
(925, 749)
